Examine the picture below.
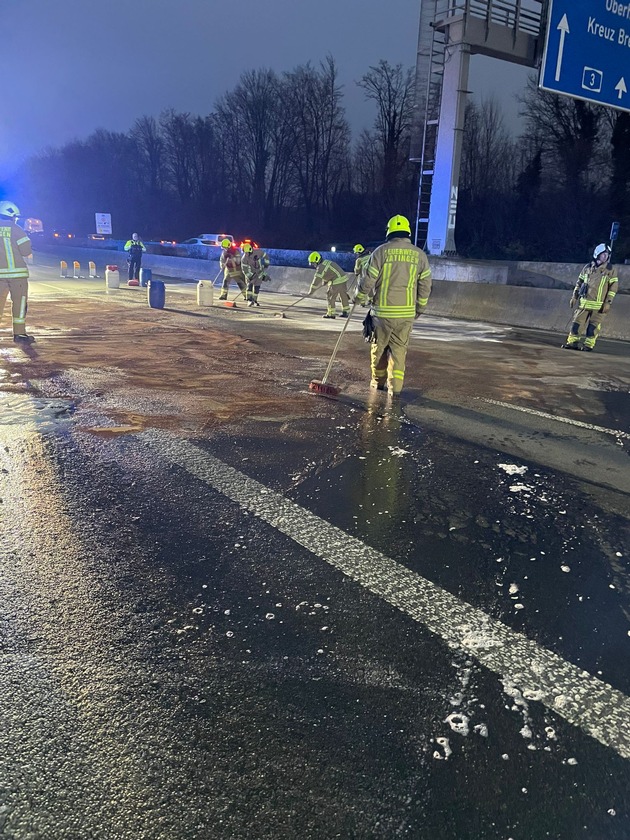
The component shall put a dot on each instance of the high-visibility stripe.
(13, 274)
(23, 240)
(398, 374)
(9, 254)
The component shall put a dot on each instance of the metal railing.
(522, 15)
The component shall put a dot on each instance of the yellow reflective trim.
(387, 273)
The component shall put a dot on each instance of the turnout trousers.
(339, 291)
(388, 352)
(239, 279)
(17, 287)
(587, 325)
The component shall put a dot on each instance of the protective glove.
(419, 311)
(361, 299)
(573, 302)
(605, 308)
(369, 330)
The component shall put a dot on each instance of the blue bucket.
(156, 294)
(145, 277)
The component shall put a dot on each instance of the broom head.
(324, 388)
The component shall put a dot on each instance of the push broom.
(322, 386)
(282, 311)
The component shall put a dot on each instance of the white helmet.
(9, 210)
(600, 250)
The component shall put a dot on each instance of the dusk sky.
(77, 65)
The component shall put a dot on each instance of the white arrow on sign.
(563, 26)
(621, 87)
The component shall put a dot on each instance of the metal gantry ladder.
(434, 59)
(525, 16)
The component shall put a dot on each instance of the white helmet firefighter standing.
(13, 268)
(594, 293)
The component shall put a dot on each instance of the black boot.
(26, 339)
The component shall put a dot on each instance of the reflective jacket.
(14, 246)
(398, 280)
(361, 265)
(230, 263)
(254, 266)
(327, 273)
(596, 287)
(135, 247)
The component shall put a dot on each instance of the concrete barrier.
(495, 300)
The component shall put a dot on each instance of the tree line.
(275, 160)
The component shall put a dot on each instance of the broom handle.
(293, 304)
(334, 352)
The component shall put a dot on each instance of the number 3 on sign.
(592, 79)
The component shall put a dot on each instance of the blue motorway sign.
(587, 51)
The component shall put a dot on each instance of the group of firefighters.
(395, 280)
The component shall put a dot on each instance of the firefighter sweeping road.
(231, 608)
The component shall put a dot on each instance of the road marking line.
(614, 432)
(580, 698)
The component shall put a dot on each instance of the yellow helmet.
(398, 224)
(246, 247)
(314, 258)
(358, 249)
(225, 243)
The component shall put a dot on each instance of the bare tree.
(318, 135)
(148, 139)
(568, 130)
(391, 89)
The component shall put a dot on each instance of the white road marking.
(614, 432)
(580, 698)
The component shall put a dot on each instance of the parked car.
(33, 227)
(208, 239)
(62, 234)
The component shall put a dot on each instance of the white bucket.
(112, 277)
(205, 293)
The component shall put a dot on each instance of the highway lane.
(300, 616)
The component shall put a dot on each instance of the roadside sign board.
(103, 222)
(587, 51)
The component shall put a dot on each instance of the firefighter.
(594, 293)
(136, 248)
(328, 273)
(254, 263)
(397, 283)
(13, 268)
(230, 264)
(362, 260)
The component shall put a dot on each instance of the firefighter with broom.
(254, 263)
(328, 273)
(361, 262)
(230, 265)
(397, 283)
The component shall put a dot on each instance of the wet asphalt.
(175, 666)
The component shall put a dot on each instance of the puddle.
(20, 409)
